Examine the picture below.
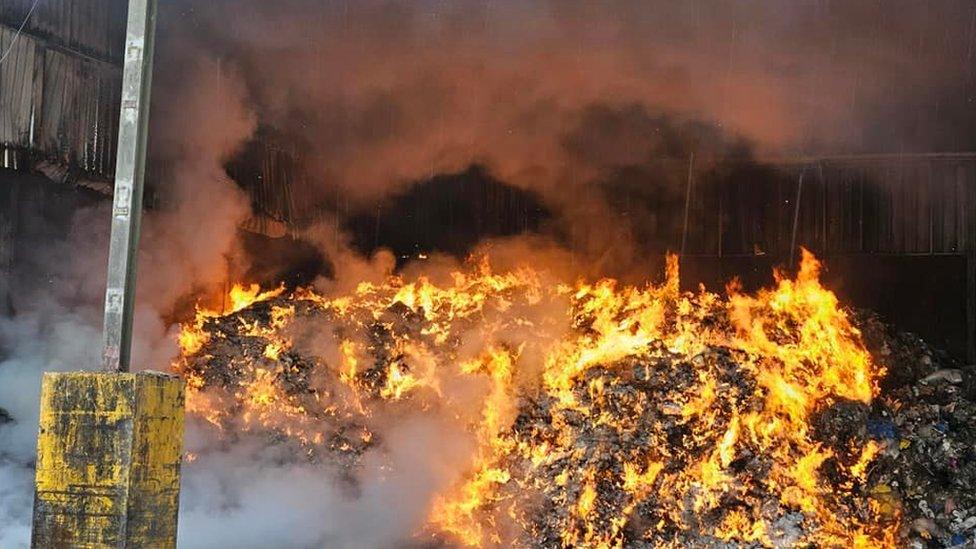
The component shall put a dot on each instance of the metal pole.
(823, 208)
(684, 227)
(721, 215)
(129, 176)
(796, 217)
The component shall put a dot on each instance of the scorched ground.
(602, 415)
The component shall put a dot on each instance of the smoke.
(569, 99)
(248, 493)
(562, 97)
(382, 93)
(51, 337)
(58, 283)
(200, 119)
(351, 267)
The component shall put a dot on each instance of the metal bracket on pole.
(129, 177)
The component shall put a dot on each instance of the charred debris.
(918, 482)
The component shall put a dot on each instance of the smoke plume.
(564, 97)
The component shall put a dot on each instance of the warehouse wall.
(899, 232)
(35, 216)
(895, 204)
(60, 84)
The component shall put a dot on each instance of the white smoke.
(249, 493)
(187, 243)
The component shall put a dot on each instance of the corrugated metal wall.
(60, 84)
(888, 204)
(897, 204)
(850, 208)
(278, 187)
(92, 27)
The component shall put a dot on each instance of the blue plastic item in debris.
(881, 428)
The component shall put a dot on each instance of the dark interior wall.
(448, 213)
(36, 217)
(885, 204)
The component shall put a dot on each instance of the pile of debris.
(293, 398)
(923, 478)
(675, 436)
(926, 419)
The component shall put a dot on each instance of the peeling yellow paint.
(108, 460)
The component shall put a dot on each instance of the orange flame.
(794, 340)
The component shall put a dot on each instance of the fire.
(193, 337)
(241, 296)
(643, 413)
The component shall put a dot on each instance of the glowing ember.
(607, 415)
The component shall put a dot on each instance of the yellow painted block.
(108, 460)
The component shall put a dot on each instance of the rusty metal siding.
(60, 85)
(885, 204)
(92, 27)
(16, 88)
(277, 185)
(79, 113)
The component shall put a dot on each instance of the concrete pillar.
(108, 460)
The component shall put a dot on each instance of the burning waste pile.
(607, 416)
